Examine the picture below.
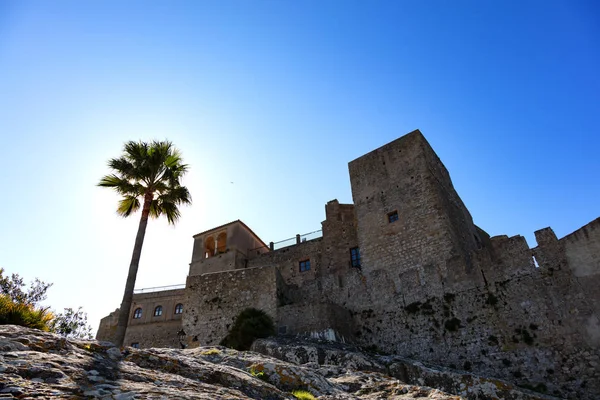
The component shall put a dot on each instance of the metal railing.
(159, 289)
(290, 241)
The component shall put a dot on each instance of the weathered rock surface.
(339, 359)
(35, 364)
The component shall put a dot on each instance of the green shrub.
(19, 306)
(303, 395)
(22, 314)
(250, 324)
(258, 373)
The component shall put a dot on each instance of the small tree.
(72, 324)
(12, 286)
(20, 307)
(249, 325)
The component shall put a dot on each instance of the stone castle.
(403, 270)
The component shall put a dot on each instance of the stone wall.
(148, 330)
(533, 326)
(151, 330)
(214, 300)
(287, 260)
(108, 327)
(314, 317)
(156, 334)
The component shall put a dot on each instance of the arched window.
(222, 242)
(179, 308)
(158, 311)
(210, 247)
(137, 314)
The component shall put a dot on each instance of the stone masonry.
(403, 270)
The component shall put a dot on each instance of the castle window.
(137, 314)
(135, 345)
(158, 311)
(179, 308)
(304, 265)
(355, 257)
(393, 216)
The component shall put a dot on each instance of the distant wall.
(227, 261)
(108, 327)
(214, 300)
(151, 330)
(156, 334)
(287, 260)
(314, 317)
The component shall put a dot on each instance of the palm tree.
(148, 171)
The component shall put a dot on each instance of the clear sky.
(268, 102)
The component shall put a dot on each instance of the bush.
(303, 395)
(19, 306)
(72, 324)
(12, 286)
(250, 324)
(22, 314)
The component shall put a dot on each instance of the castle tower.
(224, 248)
(413, 229)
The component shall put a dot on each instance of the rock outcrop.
(35, 364)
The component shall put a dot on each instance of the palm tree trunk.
(131, 276)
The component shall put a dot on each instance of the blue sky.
(269, 101)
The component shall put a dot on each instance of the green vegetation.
(148, 172)
(260, 374)
(250, 324)
(303, 395)
(22, 314)
(20, 307)
(72, 323)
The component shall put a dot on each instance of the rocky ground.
(35, 364)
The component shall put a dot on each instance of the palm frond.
(155, 168)
(123, 167)
(128, 205)
(170, 210)
(121, 186)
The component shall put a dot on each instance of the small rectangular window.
(135, 345)
(355, 257)
(393, 216)
(304, 265)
